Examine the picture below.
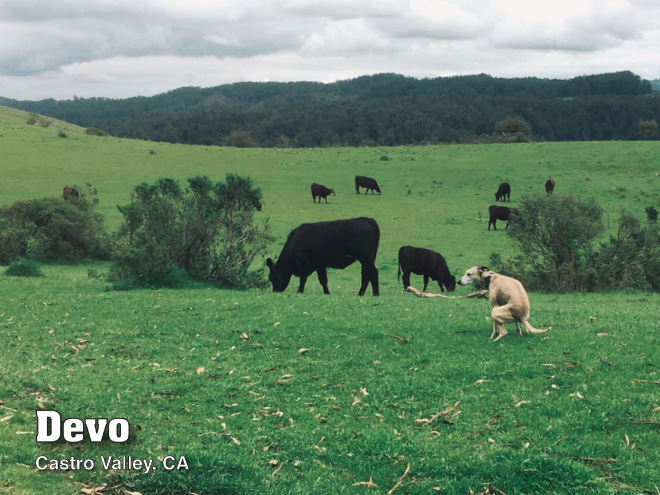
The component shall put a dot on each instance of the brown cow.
(69, 192)
(549, 186)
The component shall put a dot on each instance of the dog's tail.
(530, 328)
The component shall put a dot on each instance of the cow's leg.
(489, 224)
(426, 282)
(323, 279)
(374, 280)
(406, 280)
(301, 287)
(507, 225)
(326, 200)
(369, 274)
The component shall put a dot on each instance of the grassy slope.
(86, 352)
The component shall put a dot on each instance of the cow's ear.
(269, 263)
(482, 269)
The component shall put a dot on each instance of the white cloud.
(123, 47)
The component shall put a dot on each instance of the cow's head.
(451, 283)
(332, 192)
(278, 277)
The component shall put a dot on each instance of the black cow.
(313, 247)
(69, 192)
(503, 192)
(368, 183)
(425, 262)
(549, 186)
(321, 191)
(498, 213)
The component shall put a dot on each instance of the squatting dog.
(507, 296)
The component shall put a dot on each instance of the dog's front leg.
(502, 332)
(494, 329)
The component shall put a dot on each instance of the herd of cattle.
(315, 247)
(503, 213)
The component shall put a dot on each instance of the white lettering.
(96, 432)
(41, 467)
(73, 430)
(115, 427)
(44, 420)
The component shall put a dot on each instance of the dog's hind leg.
(501, 315)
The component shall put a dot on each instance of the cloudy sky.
(120, 48)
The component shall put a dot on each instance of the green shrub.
(555, 235)
(631, 260)
(53, 229)
(24, 268)
(205, 232)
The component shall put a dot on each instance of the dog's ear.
(482, 269)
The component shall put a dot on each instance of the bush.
(53, 229)
(204, 232)
(512, 130)
(24, 268)
(555, 235)
(631, 260)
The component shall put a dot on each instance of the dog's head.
(479, 276)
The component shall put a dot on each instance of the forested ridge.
(384, 109)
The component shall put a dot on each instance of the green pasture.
(299, 394)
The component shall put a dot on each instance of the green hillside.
(435, 196)
(267, 393)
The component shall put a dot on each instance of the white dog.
(507, 296)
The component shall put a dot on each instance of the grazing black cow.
(368, 183)
(549, 186)
(69, 192)
(321, 191)
(425, 262)
(503, 192)
(313, 247)
(498, 213)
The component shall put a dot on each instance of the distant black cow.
(313, 247)
(321, 191)
(549, 186)
(498, 213)
(503, 192)
(425, 262)
(368, 183)
(69, 192)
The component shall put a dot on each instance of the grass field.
(288, 393)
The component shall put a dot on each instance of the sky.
(121, 48)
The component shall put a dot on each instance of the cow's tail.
(398, 272)
(530, 328)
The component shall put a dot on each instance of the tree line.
(385, 109)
